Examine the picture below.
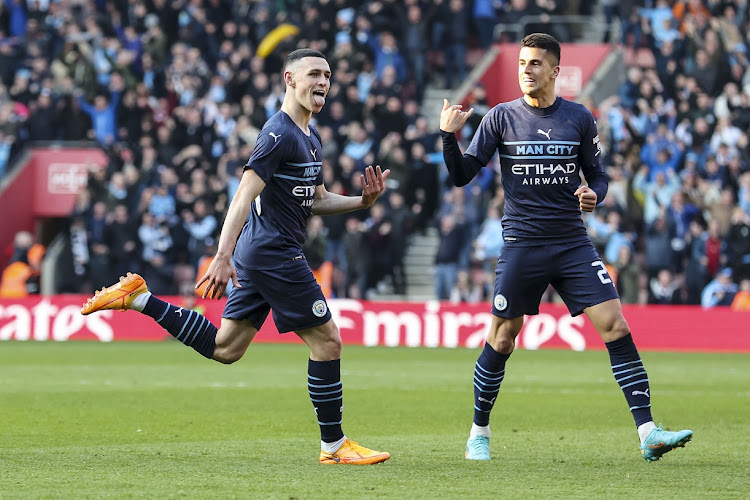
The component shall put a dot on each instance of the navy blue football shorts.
(574, 270)
(291, 292)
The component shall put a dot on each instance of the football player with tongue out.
(260, 251)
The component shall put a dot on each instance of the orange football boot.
(352, 453)
(118, 296)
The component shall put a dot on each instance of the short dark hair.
(298, 54)
(543, 41)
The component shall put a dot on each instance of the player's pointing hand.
(373, 183)
(452, 118)
(586, 198)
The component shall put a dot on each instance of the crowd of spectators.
(677, 155)
(176, 92)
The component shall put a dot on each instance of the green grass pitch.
(91, 420)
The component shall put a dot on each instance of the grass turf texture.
(90, 420)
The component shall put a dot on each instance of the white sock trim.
(645, 429)
(479, 430)
(332, 447)
(139, 302)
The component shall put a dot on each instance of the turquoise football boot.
(660, 442)
(478, 448)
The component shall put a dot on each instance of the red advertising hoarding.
(60, 174)
(46, 186)
(413, 324)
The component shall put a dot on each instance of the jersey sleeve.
(461, 168)
(269, 154)
(487, 138)
(590, 158)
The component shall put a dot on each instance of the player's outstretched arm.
(373, 185)
(220, 271)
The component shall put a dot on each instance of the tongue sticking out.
(319, 99)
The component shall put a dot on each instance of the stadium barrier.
(413, 324)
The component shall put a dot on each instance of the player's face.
(536, 72)
(312, 81)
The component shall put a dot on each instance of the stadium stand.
(176, 93)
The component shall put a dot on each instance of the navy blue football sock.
(187, 326)
(488, 375)
(630, 374)
(326, 394)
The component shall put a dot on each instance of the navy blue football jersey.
(542, 153)
(289, 162)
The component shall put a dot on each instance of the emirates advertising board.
(392, 324)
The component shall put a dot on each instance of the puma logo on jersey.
(644, 393)
(274, 136)
(179, 312)
(314, 152)
(545, 134)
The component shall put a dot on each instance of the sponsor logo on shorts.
(320, 308)
(501, 303)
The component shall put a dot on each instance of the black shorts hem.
(512, 317)
(257, 327)
(578, 312)
(294, 329)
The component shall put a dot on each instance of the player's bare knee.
(227, 356)
(504, 345)
(232, 340)
(501, 343)
(333, 346)
(330, 347)
(502, 334)
(615, 329)
(620, 328)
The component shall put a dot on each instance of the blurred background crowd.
(176, 91)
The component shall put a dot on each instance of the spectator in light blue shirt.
(103, 112)
(720, 291)
(162, 205)
(657, 193)
(387, 54)
(490, 241)
(359, 143)
(661, 19)
(661, 158)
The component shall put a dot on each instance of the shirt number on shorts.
(602, 273)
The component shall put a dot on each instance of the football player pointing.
(545, 142)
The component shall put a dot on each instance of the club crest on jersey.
(501, 303)
(320, 308)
